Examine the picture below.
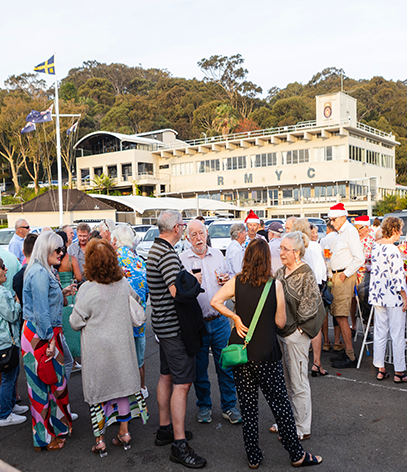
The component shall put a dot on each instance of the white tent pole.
(59, 163)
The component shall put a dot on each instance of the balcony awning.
(142, 204)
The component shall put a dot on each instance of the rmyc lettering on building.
(278, 174)
(311, 173)
(248, 178)
(220, 180)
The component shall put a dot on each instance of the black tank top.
(264, 345)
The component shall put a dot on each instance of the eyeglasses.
(25, 227)
(59, 250)
(180, 224)
(284, 249)
(3, 267)
(332, 220)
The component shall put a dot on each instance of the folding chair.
(365, 342)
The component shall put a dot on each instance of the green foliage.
(389, 204)
(68, 91)
(103, 183)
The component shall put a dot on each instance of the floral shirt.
(134, 269)
(386, 277)
(367, 245)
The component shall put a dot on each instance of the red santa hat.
(252, 218)
(363, 220)
(337, 210)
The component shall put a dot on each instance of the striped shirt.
(163, 266)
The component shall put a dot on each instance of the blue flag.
(72, 129)
(46, 67)
(40, 116)
(30, 126)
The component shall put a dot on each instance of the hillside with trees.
(130, 100)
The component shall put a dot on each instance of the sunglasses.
(59, 250)
(25, 227)
(3, 267)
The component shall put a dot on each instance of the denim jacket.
(42, 300)
(9, 312)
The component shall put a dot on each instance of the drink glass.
(74, 284)
(196, 266)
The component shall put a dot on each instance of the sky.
(281, 41)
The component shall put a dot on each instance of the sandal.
(315, 373)
(118, 441)
(326, 347)
(100, 450)
(274, 428)
(382, 375)
(402, 378)
(308, 460)
(55, 445)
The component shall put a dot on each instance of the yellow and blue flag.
(47, 67)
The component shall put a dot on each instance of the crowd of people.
(69, 306)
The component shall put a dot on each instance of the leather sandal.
(315, 373)
(401, 378)
(118, 441)
(309, 460)
(55, 445)
(100, 450)
(326, 347)
(382, 375)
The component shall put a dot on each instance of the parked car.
(5, 237)
(141, 231)
(316, 221)
(403, 216)
(321, 230)
(272, 220)
(144, 247)
(219, 232)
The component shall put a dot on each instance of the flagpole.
(61, 215)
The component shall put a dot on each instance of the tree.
(245, 125)
(225, 119)
(103, 183)
(389, 204)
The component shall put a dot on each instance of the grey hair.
(168, 219)
(235, 229)
(194, 221)
(276, 233)
(299, 241)
(44, 246)
(124, 236)
(107, 225)
(19, 222)
(65, 227)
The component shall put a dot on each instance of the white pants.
(391, 319)
(295, 350)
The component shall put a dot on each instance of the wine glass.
(196, 266)
(74, 284)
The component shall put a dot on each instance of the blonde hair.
(302, 224)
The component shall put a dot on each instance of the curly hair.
(256, 263)
(101, 263)
(391, 225)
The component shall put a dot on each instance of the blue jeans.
(8, 392)
(217, 338)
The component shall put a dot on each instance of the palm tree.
(103, 183)
(225, 119)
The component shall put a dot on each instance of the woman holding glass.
(42, 334)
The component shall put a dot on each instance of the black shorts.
(174, 361)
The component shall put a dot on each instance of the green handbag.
(236, 354)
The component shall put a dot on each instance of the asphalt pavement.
(359, 424)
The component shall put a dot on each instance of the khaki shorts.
(343, 293)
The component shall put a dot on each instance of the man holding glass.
(209, 267)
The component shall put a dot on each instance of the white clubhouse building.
(298, 170)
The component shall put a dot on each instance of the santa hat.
(252, 218)
(337, 210)
(362, 221)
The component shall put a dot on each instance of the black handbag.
(10, 357)
(326, 294)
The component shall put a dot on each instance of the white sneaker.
(74, 416)
(144, 392)
(76, 368)
(12, 419)
(19, 409)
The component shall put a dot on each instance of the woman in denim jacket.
(10, 413)
(42, 334)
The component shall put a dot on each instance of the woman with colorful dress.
(42, 334)
(134, 269)
(69, 270)
(110, 375)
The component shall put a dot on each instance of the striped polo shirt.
(163, 266)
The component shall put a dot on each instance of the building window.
(186, 168)
(126, 172)
(372, 157)
(259, 196)
(210, 165)
(356, 153)
(234, 163)
(273, 196)
(112, 172)
(228, 197)
(264, 160)
(329, 153)
(387, 161)
(243, 195)
(98, 171)
(295, 157)
(145, 168)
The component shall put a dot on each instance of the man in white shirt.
(208, 266)
(235, 250)
(275, 231)
(346, 259)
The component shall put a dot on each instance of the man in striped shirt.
(177, 369)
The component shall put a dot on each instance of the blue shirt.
(16, 247)
(13, 266)
(43, 300)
